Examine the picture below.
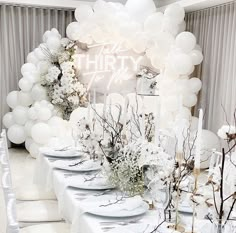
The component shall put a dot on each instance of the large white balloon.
(78, 114)
(25, 98)
(175, 12)
(16, 134)
(8, 120)
(72, 30)
(140, 9)
(31, 58)
(186, 41)
(83, 12)
(20, 115)
(41, 133)
(28, 67)
(38, 92)
(190, 100)
(12, 99)
(39, 54)
(25, 85)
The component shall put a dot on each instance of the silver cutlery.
(121, 223)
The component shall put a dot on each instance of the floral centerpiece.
(62, 78)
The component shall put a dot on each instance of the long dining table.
(73, 203)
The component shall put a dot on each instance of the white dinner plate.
(134, 228)
(142, 209)
(70, 153)
(98, 183)
(109, 207)
(78, 165)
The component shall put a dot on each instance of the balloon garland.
(53, 84)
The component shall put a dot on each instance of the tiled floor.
(22, 168)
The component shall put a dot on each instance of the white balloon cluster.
(161, 37)
(33, 117)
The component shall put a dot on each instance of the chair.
(29, 212)
(24, 192)
(13, 225)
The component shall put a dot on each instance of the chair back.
(4, 153)
(10, 202)
(168, 142)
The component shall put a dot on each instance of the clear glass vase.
(228, 227)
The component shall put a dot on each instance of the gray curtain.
(215, 29)
(21, 30)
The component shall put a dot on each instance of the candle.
(199, 141)
(157, 121)
(94, 104)
(89, 110)
(143, 120)
(104, 104)
(125, 115)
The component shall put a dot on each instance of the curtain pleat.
(21, 30)
(215, 30)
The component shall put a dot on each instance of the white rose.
(226, 129)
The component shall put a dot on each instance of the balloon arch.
(56, 81)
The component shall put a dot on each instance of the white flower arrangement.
(226, 130)
(62, 79)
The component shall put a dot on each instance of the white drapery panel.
(21, 30)
(215, 29)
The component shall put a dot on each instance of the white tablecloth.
(70, 207)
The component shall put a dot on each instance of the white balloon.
(12, 99)
(25, 98)
(31, 58)
(8, 120)
(46, 35)
(176, 12)
(16, 134)
(55, 121)
(140, 9)
(186, 41)
(53, 43)
(190, 100)
(171, 103)
(28, 126)
(83, 12)
(196, 56)
(34, 149)
(25, 84)
(32, 114)
(72, 30)
(33, 77)
(182, 64)
(43, 67)
(170, 25)
(39, 54)
(78, 114)
(38, 92)
(44, 114)
(194, 123)
(28, 142)
(28, 67)
(154, 22)
(194, 85)
(41, 133)
(20, 115)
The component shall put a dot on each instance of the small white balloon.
(28, 142)
(186, 41)
(32, 114)
(44, 114)
(38, 92)
(28, 126)
(31, 58)
(16, 134)
(34, 150)
(46, 35)
(25, 84)
(28, 67)
(194, 85)
(196, 56)
(53, 43)
(20, 115)
(8, 120)
(154, 22)
(72, 29)
(190, 100)
(182, 64)
(41, 133)
(25, 98)
(12, 99)
(83, 12)
(194, 123)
